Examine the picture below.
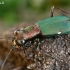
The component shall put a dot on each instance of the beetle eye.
(23, 41)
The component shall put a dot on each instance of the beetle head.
(18, 38)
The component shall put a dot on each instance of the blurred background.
(23, 12)
(13, 12)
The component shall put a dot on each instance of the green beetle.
(52, 26)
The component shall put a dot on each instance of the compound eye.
(23, 41)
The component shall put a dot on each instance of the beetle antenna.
(7, 57)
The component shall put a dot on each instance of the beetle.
(52, 26)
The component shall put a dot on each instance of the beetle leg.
(52, 11)
(54, 7)
(62, 10)
(37, 42)
(38, 46)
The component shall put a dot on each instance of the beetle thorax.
(31, 33)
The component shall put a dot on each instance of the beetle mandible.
(51, 26)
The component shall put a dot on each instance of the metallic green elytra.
(54, 25)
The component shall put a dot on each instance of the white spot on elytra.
(59, 32)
